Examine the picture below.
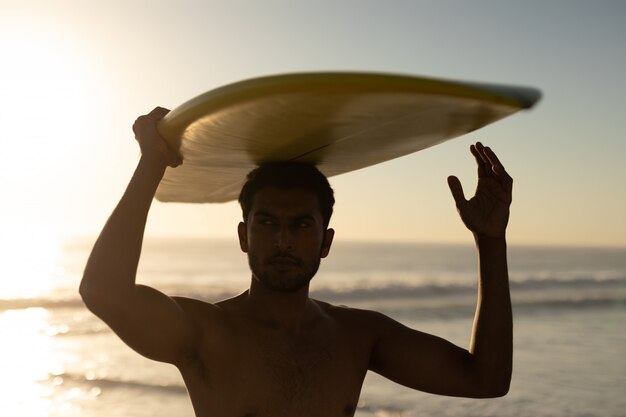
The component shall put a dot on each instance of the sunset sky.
(76, 74)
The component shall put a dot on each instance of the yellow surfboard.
(338, 121)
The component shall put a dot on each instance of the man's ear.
(243, 236)
(329, 234)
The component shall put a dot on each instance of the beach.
(569, 308)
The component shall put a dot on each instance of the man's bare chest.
(272, 372)
(296, 361)
(303, 360)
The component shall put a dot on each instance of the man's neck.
(286, 310)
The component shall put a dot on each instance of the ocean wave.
(40, 302)
(578, 290)
(570, 303)
(404, 291)
(112, 383)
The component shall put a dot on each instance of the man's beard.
(287, 282)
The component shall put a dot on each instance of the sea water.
(57, 359)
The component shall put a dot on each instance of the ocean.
(57, 359)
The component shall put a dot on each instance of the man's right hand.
(150, 140)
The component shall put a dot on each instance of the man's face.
(284, 238)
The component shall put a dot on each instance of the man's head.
(285, 175)
(286, 210)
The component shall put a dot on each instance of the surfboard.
(340, 122)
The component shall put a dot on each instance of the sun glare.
(43, 102)
(44, 112)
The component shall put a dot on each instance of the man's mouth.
(283, 260)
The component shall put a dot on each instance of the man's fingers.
(488, 163)
(156, 114)
(482, 162)
(159, 112)
(480, 151)
(457, 190)
(496, 165)
(175, 160)
(147, 121)
(493, 159)
(150, 141)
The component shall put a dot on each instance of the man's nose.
(283, 239)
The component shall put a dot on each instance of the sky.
(76, 74)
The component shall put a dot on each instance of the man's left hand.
(486, 214)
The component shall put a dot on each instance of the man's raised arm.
(487, 215)
(147, 320)
(432, 364)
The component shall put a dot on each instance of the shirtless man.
(273, 351)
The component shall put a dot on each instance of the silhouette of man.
(273, 351)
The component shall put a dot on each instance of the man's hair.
(285, 175)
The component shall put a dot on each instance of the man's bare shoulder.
(200, 312)
(194, 306)
(210, 321)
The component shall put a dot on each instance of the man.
(273, 351)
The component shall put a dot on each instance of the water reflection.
(26, 359)
(33, 382)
